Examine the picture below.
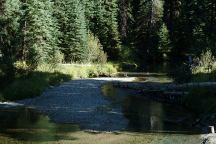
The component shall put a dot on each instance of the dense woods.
(92, 31)
(163, 50)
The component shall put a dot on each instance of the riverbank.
(68, 103)
(31, 84)
(81, 101)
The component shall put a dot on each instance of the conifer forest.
(143, 68)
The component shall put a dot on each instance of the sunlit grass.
(34, 83)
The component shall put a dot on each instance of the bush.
(57, 58)
(106, 70)
(204, 64)
(33, 85)
(102, 58)
(95, 53)
(93, 72)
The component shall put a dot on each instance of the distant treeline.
(144, 31)
(52, 31)
(172, 28)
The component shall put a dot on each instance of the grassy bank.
(81, 137)
(34, 83)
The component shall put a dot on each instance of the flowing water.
(154, 122)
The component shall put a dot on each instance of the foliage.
(164, 42)
(9, 35)
(85, 71)
(148, 17)
(205, 63)
(95, 50)
(73, 26)
(34, 83)
(104, 24)
(39, 33)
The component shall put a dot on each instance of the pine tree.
(146, 27)
(164, 42)
(9, 35)
(73, 26)
(105, 26)
(40, 32)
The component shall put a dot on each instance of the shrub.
(204, 64)
(33, 85)
(102, 58)
(106, 70)
(93, 72)
(57, 58)
(95, 50)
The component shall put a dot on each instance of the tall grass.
(86, 71)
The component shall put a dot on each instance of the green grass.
(86, 71)
(34, 83)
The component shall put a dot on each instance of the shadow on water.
(150, 116)
(27, 124)
(144, 116)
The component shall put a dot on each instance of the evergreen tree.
(9, 35)
(146, 27)
(105, 26)
(164, 42)
(40, 32)
(73, 26)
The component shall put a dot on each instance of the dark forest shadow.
(32, 84)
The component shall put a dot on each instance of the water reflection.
(149, 116)
(27, 124)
